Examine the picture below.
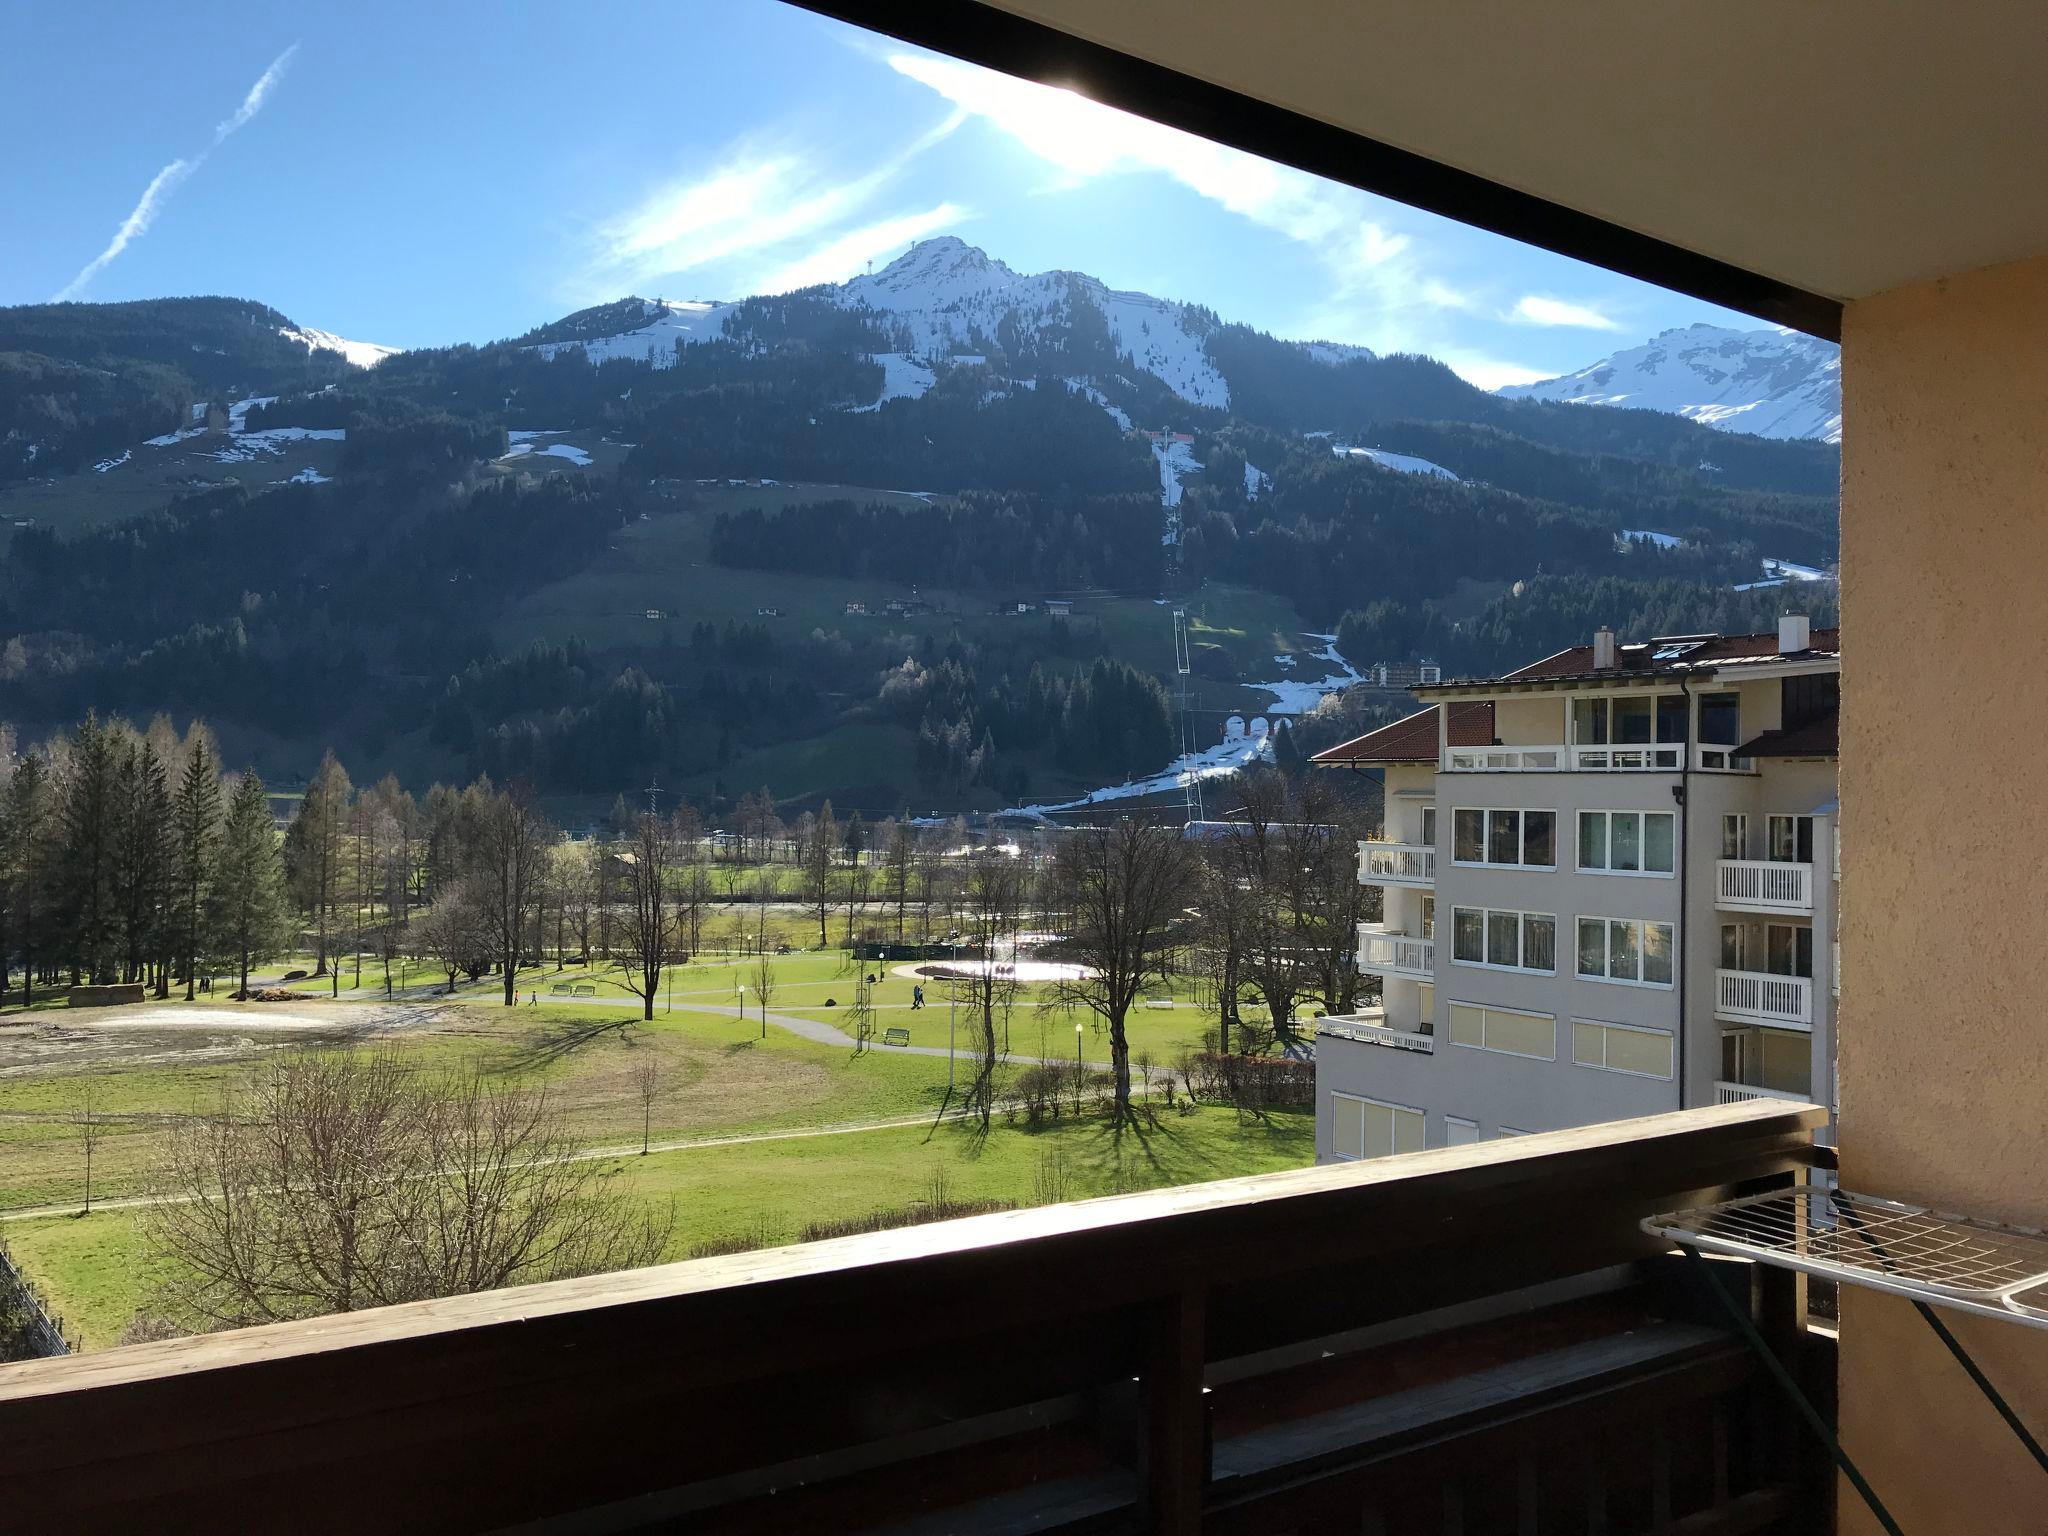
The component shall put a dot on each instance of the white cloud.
(843, 256)
(756, 205)
(168, 180)
(258, 93)
(1490, 372)
(1536, 309)
(140, 217)
(1377, 286)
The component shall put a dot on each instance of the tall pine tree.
(195, 832)
(248, 905)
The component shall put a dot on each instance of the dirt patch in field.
(194, 1034)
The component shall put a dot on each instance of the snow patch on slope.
(675, 322)
(903, 378)
(364, 354)
(1403, 463)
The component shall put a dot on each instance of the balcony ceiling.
(1842, 149)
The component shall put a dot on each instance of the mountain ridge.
(1768, 383)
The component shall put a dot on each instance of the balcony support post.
(1176, 1416)
(1698, 1265)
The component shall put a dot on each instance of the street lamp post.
(1077, 1068)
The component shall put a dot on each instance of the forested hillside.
(809, 539)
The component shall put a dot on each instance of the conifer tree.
(248, 892)
(195, 834)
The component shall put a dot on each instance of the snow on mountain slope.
(1402, 463)
(686, 321)
(951, 297)
(903, 378)
(364, 354)
(1773, 383)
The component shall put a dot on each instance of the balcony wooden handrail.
(535, 1402)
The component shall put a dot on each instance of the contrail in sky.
(167, 180)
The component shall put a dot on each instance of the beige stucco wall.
(1944, 772)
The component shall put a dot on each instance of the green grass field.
(94, 1271)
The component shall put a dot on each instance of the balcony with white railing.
(1369, 1026)
(1396, 864)
(1395, 954)
(1765, 885)
(1663, 755)
(1528, 759)
(1757, 997)
(1747, 1093)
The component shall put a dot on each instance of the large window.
(1526, 839)
(1623, 949)
(1734, 836)
(1791, 839)
(1361, 1127)
(1788, 950)
(1630, 720)
(1506, 940)
(1504, 1029)
(1622, 1048)
(1627, 842)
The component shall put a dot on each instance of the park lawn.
(92, 1267)
(1162, 1033)
(721, 1076)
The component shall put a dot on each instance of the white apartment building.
(1609, 885)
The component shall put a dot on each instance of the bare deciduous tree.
(649, 1083)
(331, 1183)
(86, 1116)
(647, 941)
(451, 932)
(993, 896)
(1120, 890)
(510, 839)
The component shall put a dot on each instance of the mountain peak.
(1770, 382)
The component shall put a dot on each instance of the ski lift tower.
(1191, 781)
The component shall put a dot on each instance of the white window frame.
(1642, 843)
(1607, 950)
(1634, 1029)
(1364, 1155)
(1741, 831)
(1486, 1008)
(1486, 813)
(1509, 1130)
(1463, 1123)
(1520, 917)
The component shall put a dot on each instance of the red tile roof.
(1413, 738)
(1711, 654)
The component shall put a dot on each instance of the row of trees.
(125, 857)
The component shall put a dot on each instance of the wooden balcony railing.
(1216, 1357)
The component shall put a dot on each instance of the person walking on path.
(916, 998)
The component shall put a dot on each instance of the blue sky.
(428, 173)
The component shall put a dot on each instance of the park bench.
(586, 990)
(896, 1036)
(1158, 1002)
(561, 989)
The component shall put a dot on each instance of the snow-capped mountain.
(948, 302)
(1773, 383)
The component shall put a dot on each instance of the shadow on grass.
(559, 1042)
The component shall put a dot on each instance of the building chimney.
(1795, 634)
(1603, 649)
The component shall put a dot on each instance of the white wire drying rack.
(1923, 1255)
